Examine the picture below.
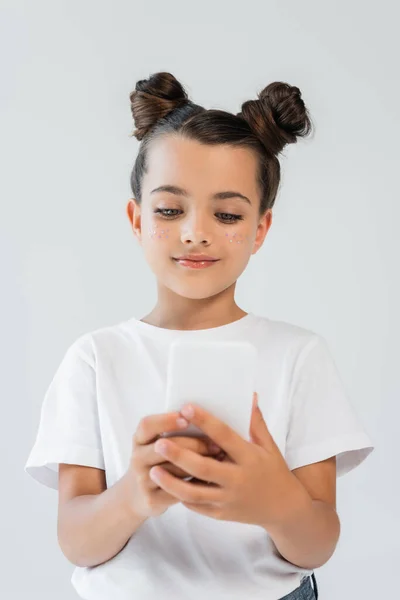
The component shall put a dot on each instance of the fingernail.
(182, 422)
(187, 411)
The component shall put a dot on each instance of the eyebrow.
(173, 189)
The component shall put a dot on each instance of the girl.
(257, 517)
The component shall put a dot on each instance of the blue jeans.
(306, 591)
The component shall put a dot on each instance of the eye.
(229, 218)
(163, 212)
(170, 213)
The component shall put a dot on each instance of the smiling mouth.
(198, 259)
(195, 264)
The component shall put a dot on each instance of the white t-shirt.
(112, 377)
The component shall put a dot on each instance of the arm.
(94, 523)
(308, 534)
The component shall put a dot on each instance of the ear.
(134, 215)
(262, 230)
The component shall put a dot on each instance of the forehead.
(208, 169)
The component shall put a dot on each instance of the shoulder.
(95, 344)
(285, 337)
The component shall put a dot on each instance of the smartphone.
(218, 376)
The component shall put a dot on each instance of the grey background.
(69, 262)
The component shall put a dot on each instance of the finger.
(173, 470)
(147, 456)
(223, 435)
(152, 426)
(201, 445)
(201, 467)
(177, 471)
(170, 468)
(185, 491)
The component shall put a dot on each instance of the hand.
(252, 486)
(145, 497)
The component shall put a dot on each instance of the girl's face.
(192, 219)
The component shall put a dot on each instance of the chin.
(198, 291)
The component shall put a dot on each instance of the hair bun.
(153, 98)
(278, 116)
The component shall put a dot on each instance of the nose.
(195, 231)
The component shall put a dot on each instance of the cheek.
(156, 232)
(236, 239)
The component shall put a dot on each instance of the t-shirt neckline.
(154, 331)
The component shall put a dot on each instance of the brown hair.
(160, 105)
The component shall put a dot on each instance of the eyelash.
(235, 218)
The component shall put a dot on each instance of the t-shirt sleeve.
(68, 430)
(322, 421)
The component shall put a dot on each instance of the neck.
(176, 312)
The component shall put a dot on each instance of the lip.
(196, 261)
(197, 257)
(196, 264)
